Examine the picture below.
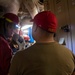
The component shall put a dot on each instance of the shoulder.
(4, 44)
(3, 41)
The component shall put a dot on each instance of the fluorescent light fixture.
(25, 31)
(26, 27)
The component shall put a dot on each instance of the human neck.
(45, 40)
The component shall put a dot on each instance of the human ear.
(35, 27)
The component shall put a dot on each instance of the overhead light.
(25, 31)
(17, 26)
(26, 27)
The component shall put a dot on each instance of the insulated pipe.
(12, 6)
(30, 5)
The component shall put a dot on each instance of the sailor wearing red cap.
(7, 26)
(46, 56)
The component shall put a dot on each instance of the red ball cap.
(46, 20)
(11, 17)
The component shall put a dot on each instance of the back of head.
(46, 20)
(15, 36)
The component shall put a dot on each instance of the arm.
(5, 57)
